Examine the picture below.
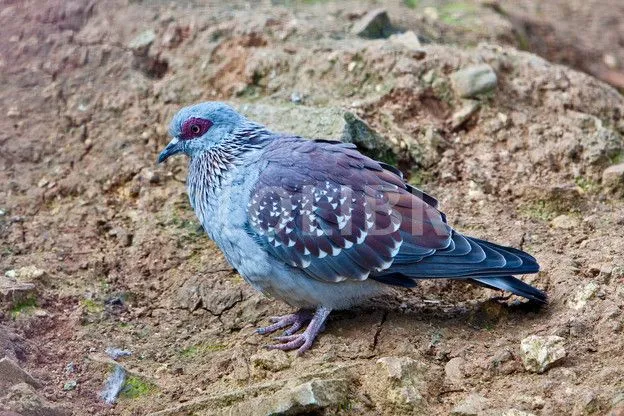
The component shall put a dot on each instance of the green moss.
(540, 210)
(346, 406)
(418, 178)
(91, 306)
(201, 349)
(443, 90)
(412, 4)
(24, 306)
(190, 230)
(523, 41)
(458, 14)
(137, 387)
(586, 184)
(617, 158)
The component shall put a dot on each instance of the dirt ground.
(118, 259)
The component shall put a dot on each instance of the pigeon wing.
(336, 214)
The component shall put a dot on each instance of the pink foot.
(295, 321)
(302, 342)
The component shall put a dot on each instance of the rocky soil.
(99, 247)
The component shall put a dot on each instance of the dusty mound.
(518, 150)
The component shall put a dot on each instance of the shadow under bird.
(320, 226)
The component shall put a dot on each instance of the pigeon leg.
(295, 321)
(304, 340)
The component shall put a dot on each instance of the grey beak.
(174, 146)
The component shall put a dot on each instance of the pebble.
(516, 412)
(13, 112)
(454, 370)
(296, 97)
(540, 353)
(473, 405)
(565, 222)
(70, 385)
(116, 353)
(373, 25)
(24, 400)
(474, 80)
(402, 382)
(613, 177)
(583, 295)
(610, 60)
(142, 41)
(13, 291)
(407, 39)
(309, 397)
(461, 116)
(11, 373)
(368, 141)
(273, 360)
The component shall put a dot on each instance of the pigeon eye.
(195, 127)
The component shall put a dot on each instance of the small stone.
(11, 374)
(407, 39)
(584, 294)
(124, 238)
(13, 113)
(117, 353)
(2, 212)
(540, 353)
(516, 412)
(368, 141)
(454, 370)
(474, 80)
(152, 177)
(40, 313)
(42, 183)
(296, 97)
(70, 368)
(610, 60)
(309, 397)
(613, 177)
(140, 44)
(429, 77)
(173, 36)
(374, 25)
(397, 368)
(617, 405)
(70, 385)
(273, 360)
(565, 222)
(587, 403)
(15, 292)
(23, 399)
(473, 405)
(402, 382)
(431, 13)
(461, 116)
(25, 273)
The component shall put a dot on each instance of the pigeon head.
(200, 127)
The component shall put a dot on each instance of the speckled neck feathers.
(210, 171)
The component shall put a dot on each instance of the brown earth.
(125, 263)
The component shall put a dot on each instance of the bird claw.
(295, 321)
(301, 342)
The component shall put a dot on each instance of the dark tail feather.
(513, 285)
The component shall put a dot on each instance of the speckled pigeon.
(319, 225)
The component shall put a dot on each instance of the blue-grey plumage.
(319, 225)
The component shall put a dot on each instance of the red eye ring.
(194, 127)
